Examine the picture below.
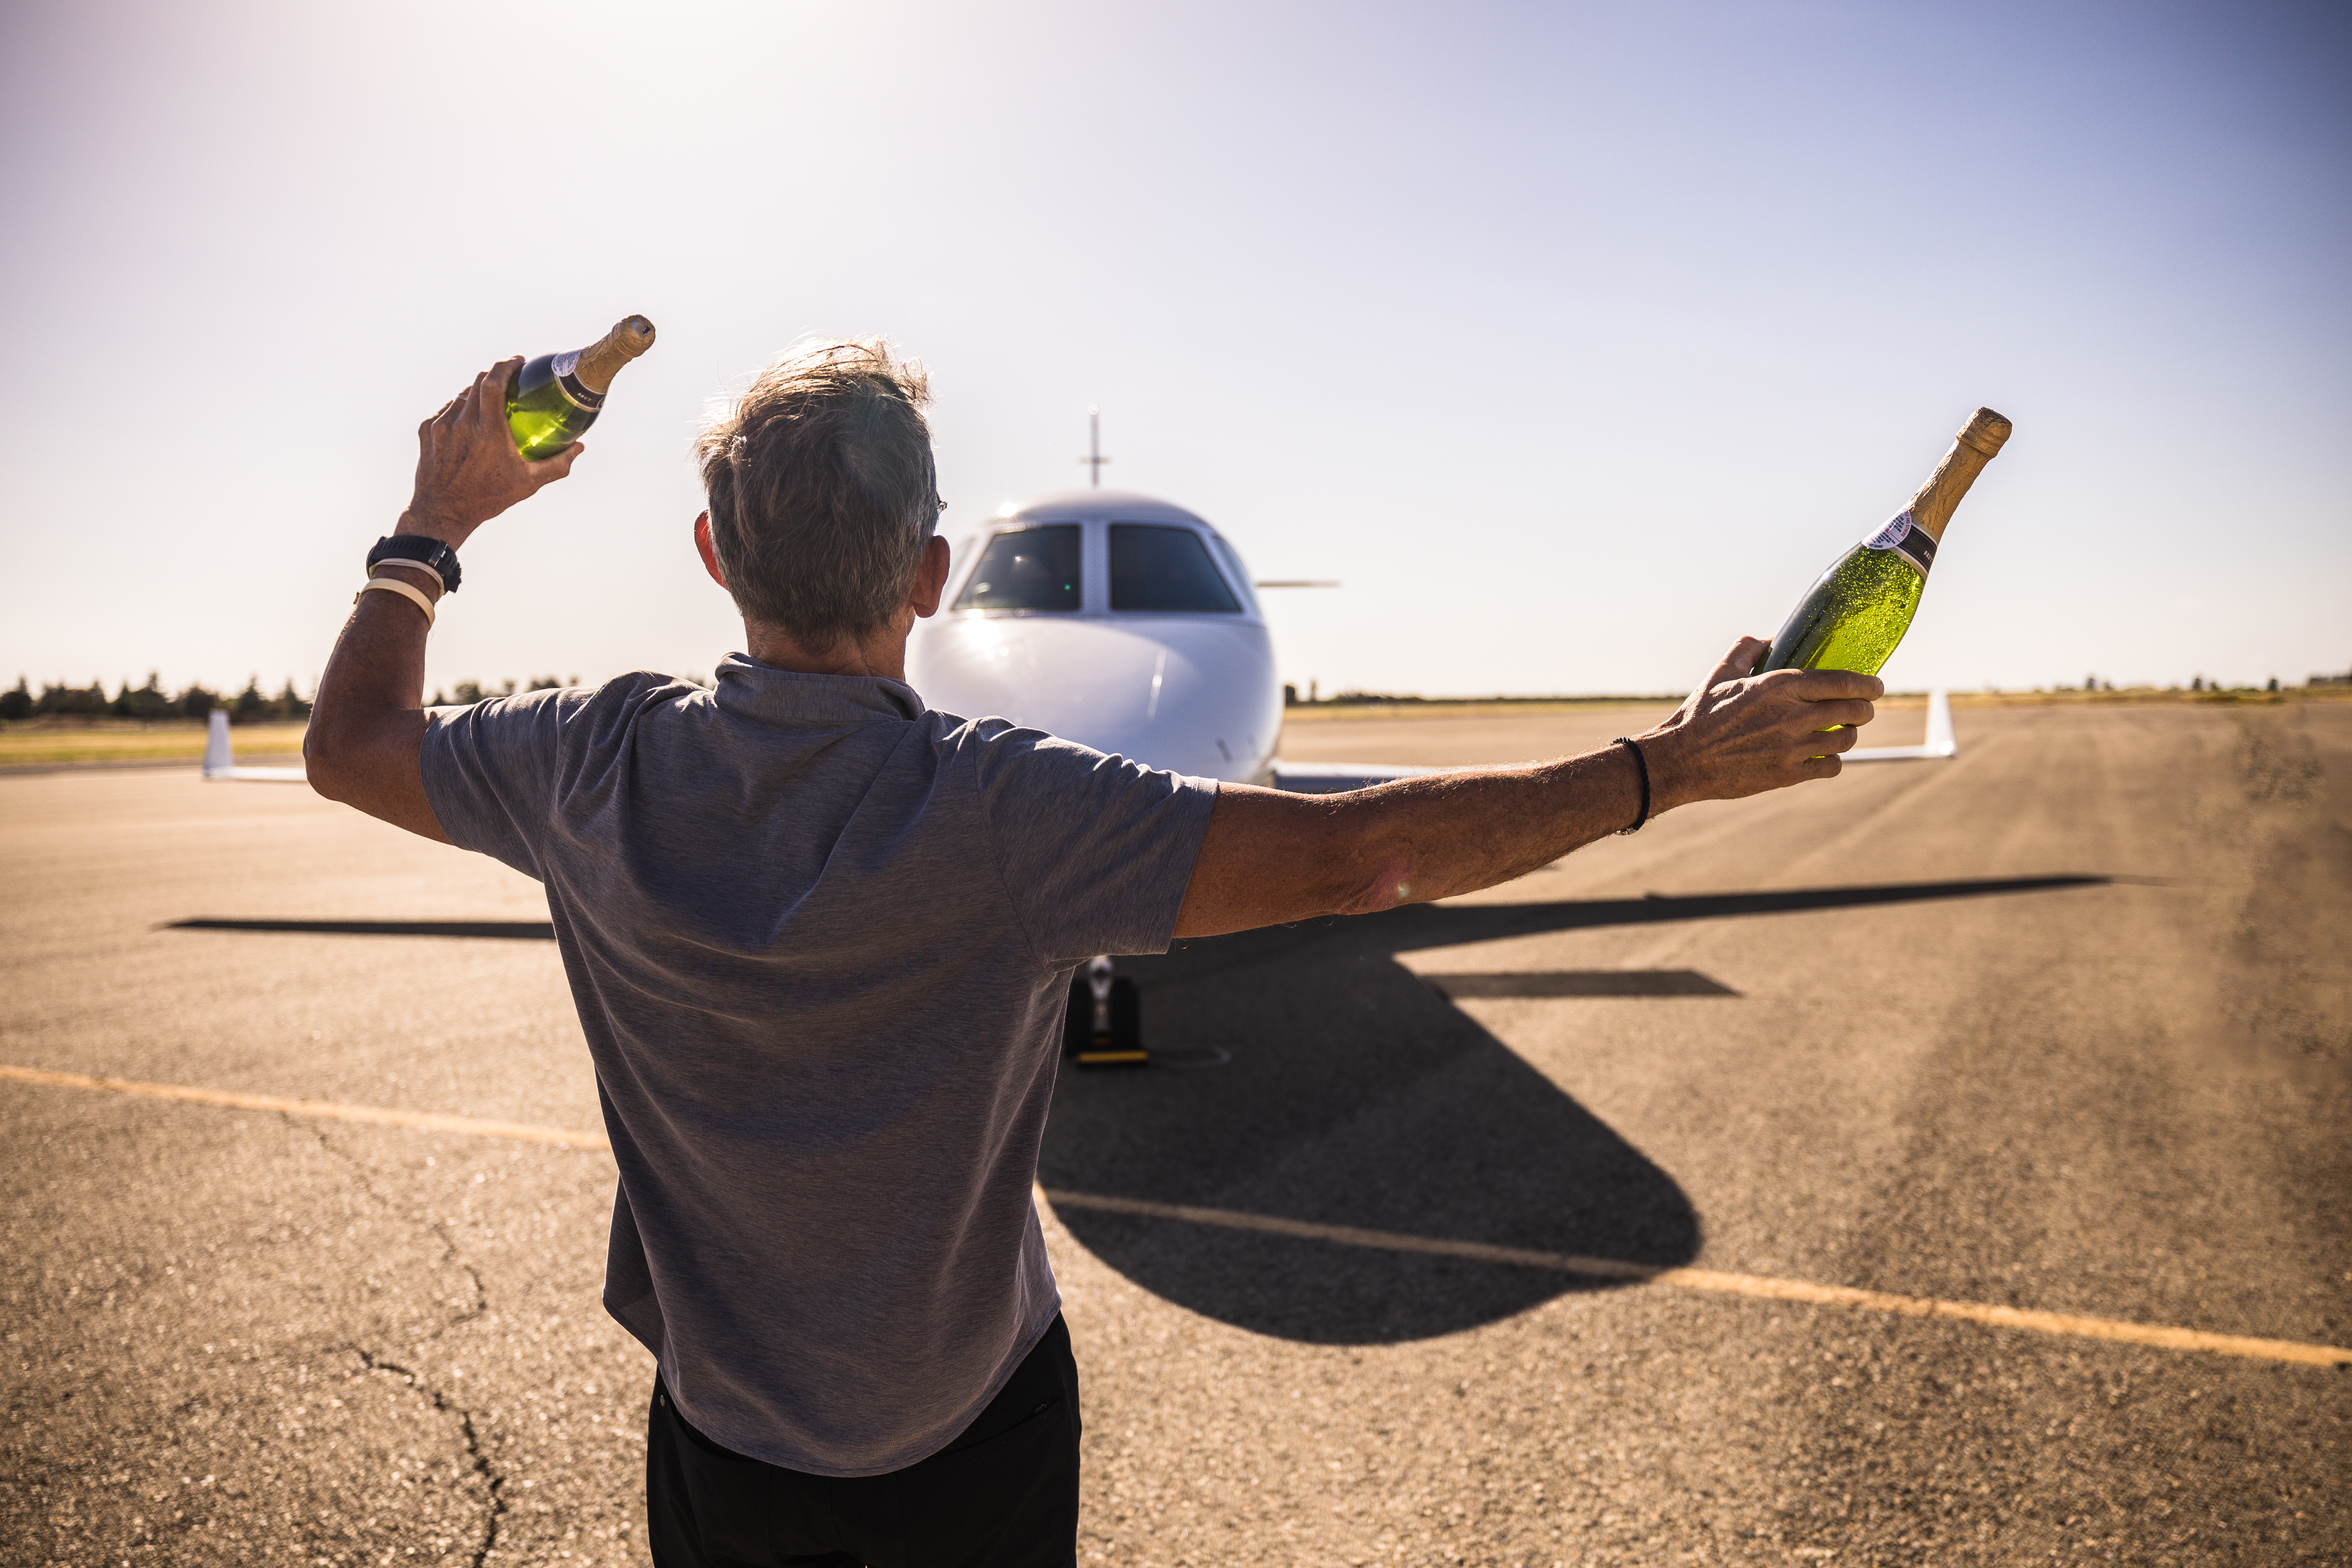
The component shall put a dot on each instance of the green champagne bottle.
(1863, 604)
(556, 396)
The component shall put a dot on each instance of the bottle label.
(1911, 543)
(579, 396)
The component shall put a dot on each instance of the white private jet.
(1131, 625)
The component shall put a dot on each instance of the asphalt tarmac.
(2064, 1026)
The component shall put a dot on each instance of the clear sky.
(1574, 338)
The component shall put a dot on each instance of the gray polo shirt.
(821, 939)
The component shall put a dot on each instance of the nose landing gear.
(1104, 1026)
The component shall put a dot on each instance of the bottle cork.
(1985, 431)
(601, 361)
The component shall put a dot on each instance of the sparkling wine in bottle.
(556, 396)
(1863, 604)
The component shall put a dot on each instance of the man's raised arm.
(1271, 856)
(368, 720)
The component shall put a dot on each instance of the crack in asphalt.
(451, 1257)
(491, 1479)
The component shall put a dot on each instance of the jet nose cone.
(1189, 694)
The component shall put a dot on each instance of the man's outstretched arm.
(1271, 856)
(367, 723)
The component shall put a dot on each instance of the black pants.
(1002, 1495)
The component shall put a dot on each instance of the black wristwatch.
(421, 550)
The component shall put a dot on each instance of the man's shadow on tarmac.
(1359, 1096)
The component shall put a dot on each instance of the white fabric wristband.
(433, 572)
(408, 591)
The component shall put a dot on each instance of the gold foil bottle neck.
(601, 361)
(1931, 509)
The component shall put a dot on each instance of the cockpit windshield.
(1167, 570)
(1028, 569)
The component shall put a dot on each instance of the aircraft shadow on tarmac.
(1357, 1095)
(510, 931)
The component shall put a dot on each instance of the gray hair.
(822, 494)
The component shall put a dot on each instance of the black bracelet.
(418, 550)
(1641, 764)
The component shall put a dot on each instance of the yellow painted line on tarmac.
(1726, 1284)
(469, 1125)
(1715, 1280)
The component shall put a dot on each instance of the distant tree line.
(151, 701)
(467, 692)
(250, 706)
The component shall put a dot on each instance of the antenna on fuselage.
(1094, 460)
